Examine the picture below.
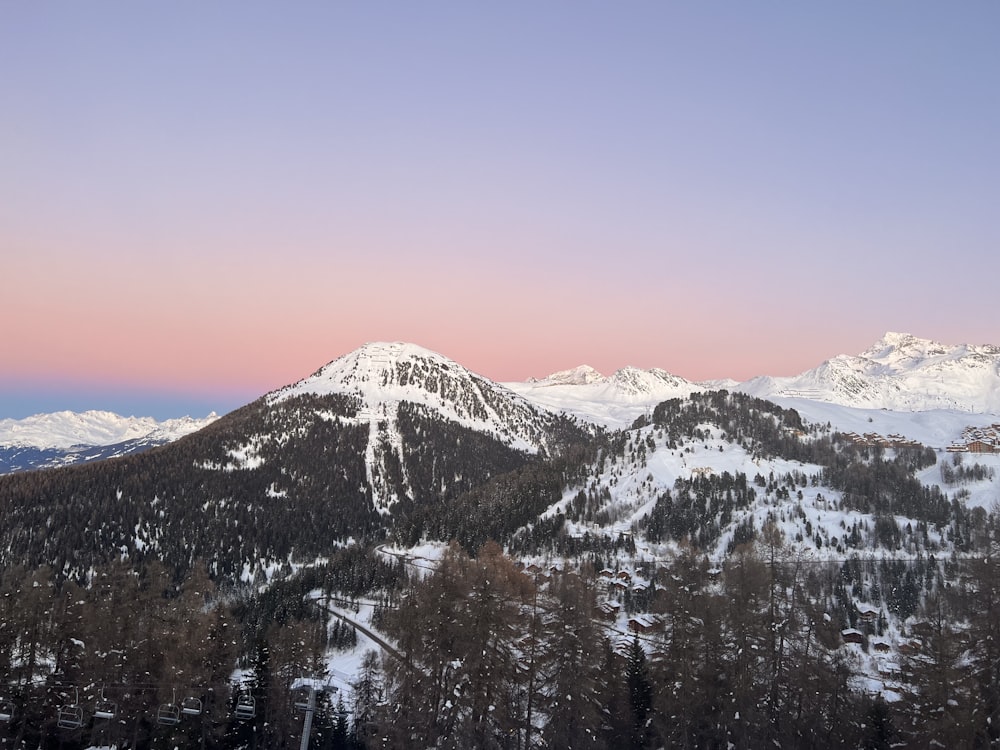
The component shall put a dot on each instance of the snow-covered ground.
(614, 402)
(381, 375)
(900, 372)
(66, 429)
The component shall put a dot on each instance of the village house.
(851, 635)
(980, 445)
(609, 610)
(867, 614)
(643, 623)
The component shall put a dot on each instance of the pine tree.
(367, 695)
(569, 677)
(640, 694)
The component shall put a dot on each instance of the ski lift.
(305, 689)
(191, 706)
(246, 707)
(71, 716)
(6, 709)
(169, 713)
(302, 698)
(105, 709)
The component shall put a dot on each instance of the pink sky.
(219, 205)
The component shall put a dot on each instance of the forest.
(178, 598)
(490, 654)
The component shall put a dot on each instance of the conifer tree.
(640, 694)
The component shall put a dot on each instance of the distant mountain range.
(64, 438)
(899, 373)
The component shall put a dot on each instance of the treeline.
(499, 506)
(748, 655)
(198, 498)
(957, 473)
(131, 639)
(266, 483)
(762, 427)
(139, 641)
(698, 508)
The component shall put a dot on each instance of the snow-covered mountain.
(66, 429)
(63, 438)
(384, 375)
(613, 401)
(388, 436)
(428, 427)
(900, 372)
(395, 444)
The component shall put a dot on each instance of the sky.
(202, 202)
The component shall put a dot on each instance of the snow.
(382, 375)
(66, 429)
(924, 391)
(614, 402)
(899, 372)
(935, 428)
(421, 558)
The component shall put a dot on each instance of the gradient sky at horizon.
(202, 202)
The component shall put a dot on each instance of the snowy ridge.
(65, 429)
(582, 375)
(381, 377)
(613, 401)
(899, 372)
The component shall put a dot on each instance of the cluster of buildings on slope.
(973, 440)
(978, 440)
(871, 439)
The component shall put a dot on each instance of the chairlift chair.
(246, 707)
(191, 706)
(71, 716)
(302, 698)
(169, 713)
(105, 709)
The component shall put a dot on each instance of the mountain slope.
(338, 456)
(899, 372)
(383, 375)
(65, 438)
(399, 387)
(612, 401)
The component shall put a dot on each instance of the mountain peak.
(382, 376)
(655, 381)
(901, 372)
(581, 375)
(378, 370)
(894, 345)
